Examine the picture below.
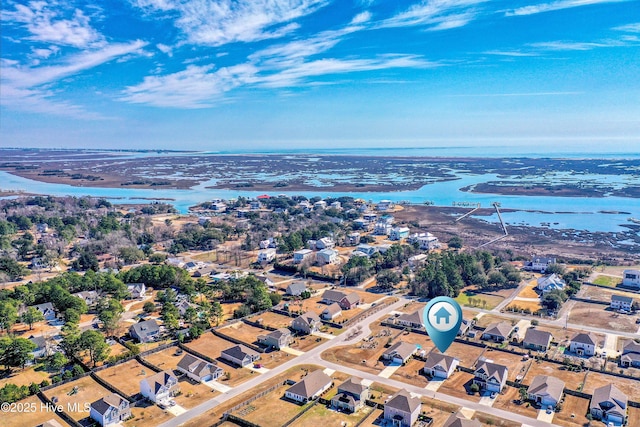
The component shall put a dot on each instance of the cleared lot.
(76, 394)
(601, 316)
(30, 417)
(126, 376)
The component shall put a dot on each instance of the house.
(327, 256)
(218, 207)
(267, 255)
(402, 409)
(631, 278)
(89, 297)
(535, 339)
(584, 344)
(550, 283)
(310, 387)
(190, 266)
(351, 395)
(296, 288)
(302, 255)
(276, 339)
(336, 205)
(490, 376)
(539, 264)
(459, 420)
(411, 320)
(307, 323)
(137, 290)
(146, 331)
(630, 355)
(199, 369)
(255, 205)
(369, 216)
(465, 325)
(382, 228)
(417, 260)
(47, 311)
(42, 348)
(498, 331)
(368, 250)
(331, 312)
(240, 355)
(330, 296)
(183, 305)
(160, 387)
(110, 410)
(353, 239)
(320, 204)
(346, 301)
(400, 352)
(440, 365)
(546, 390)
(425, 241)
(362, 224)
(268, 282)
(384, 205)
(42, 227)
(609, 404)
(398, 233)
(325, 243)
(621, 302)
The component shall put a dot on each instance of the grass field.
(126, 376)
(472, 298)
(26, 376)
(607, 281)
(30, 415)
(321, 415)
(148, 415)
(88, 391)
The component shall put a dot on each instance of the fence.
(299, 414)
(148, 364)
(367, 313)
(61, 413)
(237, 341)
(111, 388)
(257, 396)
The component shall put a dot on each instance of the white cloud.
(515, 53)
(569, 46)
(217, 22)
(629, 28)
(437, 14)
(45, 23)
(361, 17)
(556, 5)
(168, 50)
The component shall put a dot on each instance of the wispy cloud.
(556, 5)
(514, 53)
(515, 94)
(629, 28)
(569, 46)
(435, 15)
(48, 22)
(217, 22)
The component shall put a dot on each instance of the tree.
(387, 279)
(94, 343)
(86, 261)
(13, 268)
(56, 361)
(523, 394)
(554, 299)
(455, 242)
(216, 312)
(109, 312)
(149, 307)
(18, 352)
(8, 314)
(474, 388)
(31, 316)
(70, 344)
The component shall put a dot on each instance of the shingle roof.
(145, 328)
(501, 329)
(438, 359)
(611, 394)
(622, 298)
(403, 349)
(309, 317)
(459, 420)
(196, 366)
(159, 380)
(333, 295)
(296, 287)
(415, 317)
(403, 401)
(537, 337)
(631, 347)
(311, 384)
(332, 309)
(352, 385)
(493, 370)
(111, 400)
(240, 351)
(547, 385)
(353, 298)
(585, 338)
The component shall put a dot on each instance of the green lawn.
(607, 281)
(473, 299)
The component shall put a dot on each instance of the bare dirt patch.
(126, 376)
(243, 332)
(148, 415)
(466, 354)
(516, 364)
(193, 393)
(75, 394)
(628, 386)
(166, 359)
(273, 320)
(601, 316)
(458, 385)
(31, 414)
(573, 413)
(572, 380)
(411, 373)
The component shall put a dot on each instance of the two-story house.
(199, 369)
(402, 410)
(307, 323)
(160, 387)
(584, 344)
(110, 410)
(351, 395)
(276, 339)
(490, 376)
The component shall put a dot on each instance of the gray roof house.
(160, 387)
(306, 323)
(331, 312)
(296, 288)
(399, 352)
(41, 349)
(47, 311)
(402, 409)
(110, 410)
(310, 387)
(584, 344)
(498, 331)
(546, 390)
(146, 331)
(351, 395)
(240, 355)
(276, 339)
(535, 339)
(199, 369)
(609, 404)
(621, 302)
(459, 420)
(137, 290)
(439, 365)
(346, 301)
(89, 297)
(490, 376)
(630, 355)
(411, 320)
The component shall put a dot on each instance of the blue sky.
(224, 75)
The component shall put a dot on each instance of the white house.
(137, 290)
(320, 204)
(382, 228)
(398, 233)
(539, 264)
(310, 387)
(546, 390)
(550, 283)
(402, 409)
(631, 278)
(325, 243)
(327, 256)
(621, 302)
(490, 376)
(160, 387)
(584, 344)
(267, 255)
(440, 365)
(110, 410)
(353, 239)
(417, 260)
(302, 255)
(385, 205)
(199, 369)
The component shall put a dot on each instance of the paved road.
(314, 358)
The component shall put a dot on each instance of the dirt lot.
(634, 416)
(30, 417)
(273, 320)
(88, 391)
(572, 380)
(507, 401)
(306, 342)
(147, 416)
(466, 354)
(573, 413)
(628, 386)
(212, 346)
(458, 385)
(518, 305)
(373, 419)
(193, 394)
(126, 376)
(165, 359)
(243, 332)
(26, 377)
(514, 363)
(601, 316)
(411, 373)
(321, 415)
(602, 294)
(493, 421)
(271, 410)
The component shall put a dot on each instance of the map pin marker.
(442, 319)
